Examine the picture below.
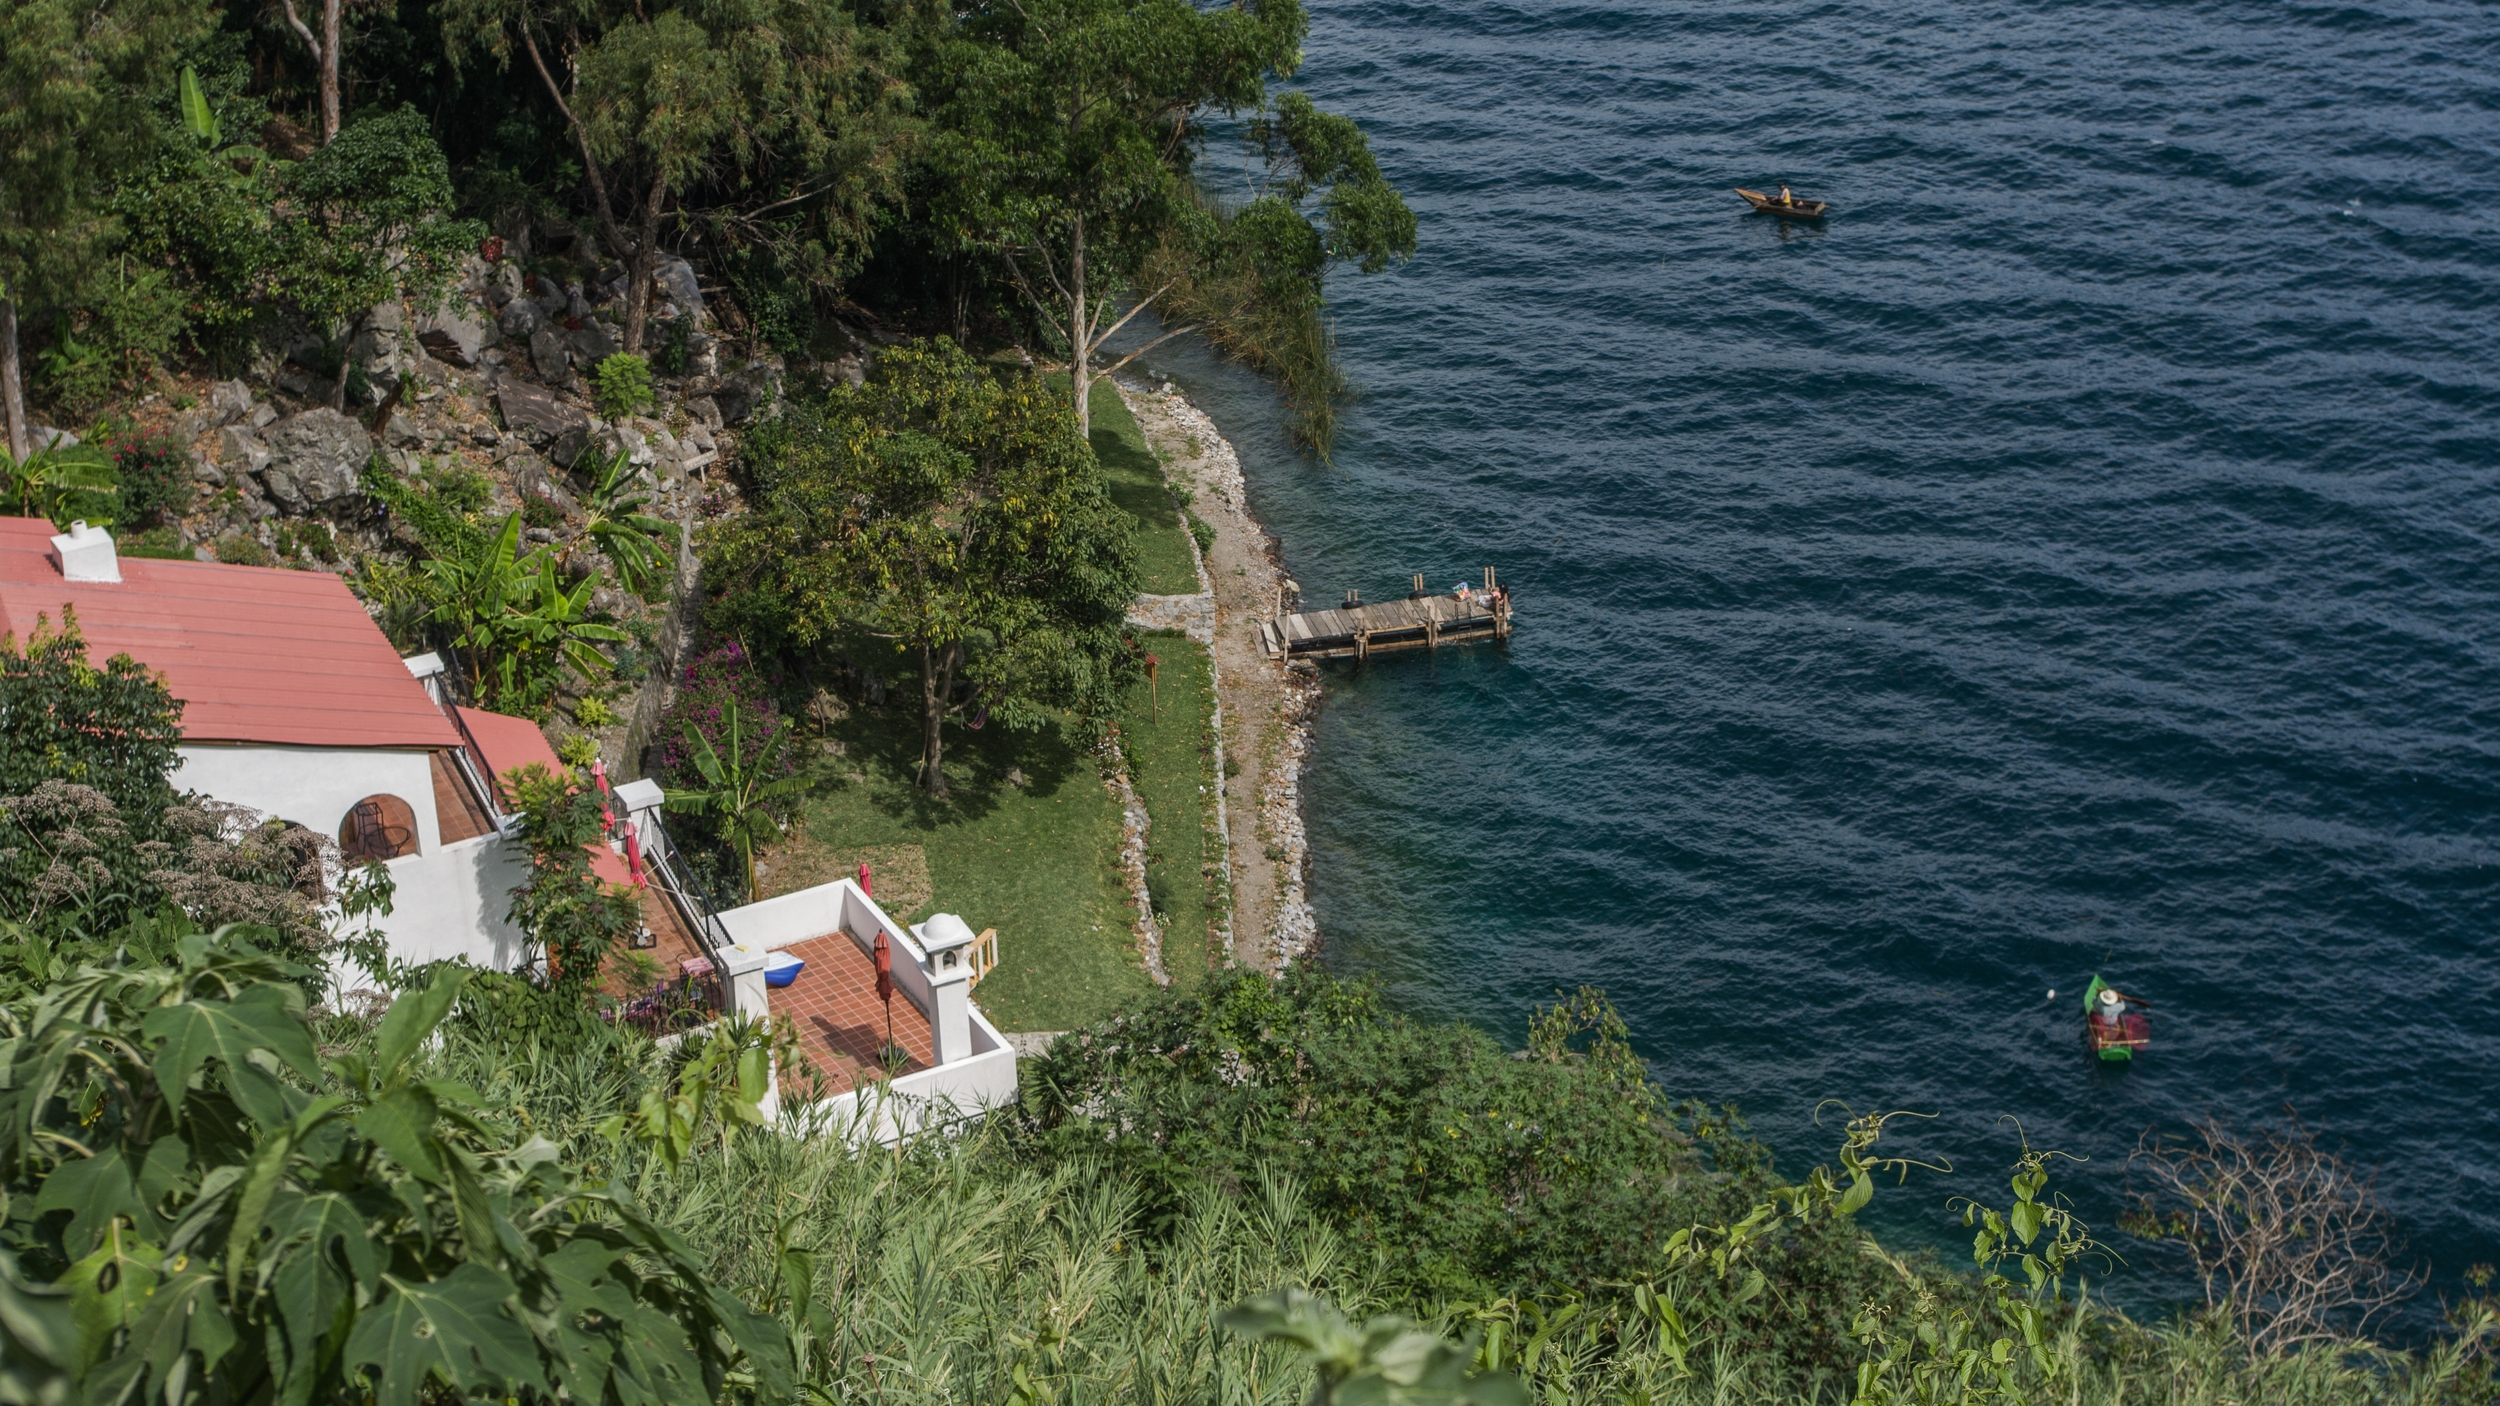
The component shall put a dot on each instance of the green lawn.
(1038, 862)
(1137, 484)
(1172, 760)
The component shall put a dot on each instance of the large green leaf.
(453, 1329)
(94, 1190)
(196, 1032)
(401, 1123)
(195, 110)
(412, 1018)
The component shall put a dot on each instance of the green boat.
(2113, 1037)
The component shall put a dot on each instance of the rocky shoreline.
(1263, 709)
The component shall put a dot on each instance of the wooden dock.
(1356, 630)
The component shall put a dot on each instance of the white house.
(296, 706)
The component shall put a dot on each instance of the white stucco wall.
(450, 900)
(313, 786)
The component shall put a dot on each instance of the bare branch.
(2292, 1244)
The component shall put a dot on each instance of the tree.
(956, 516)
(1068, 130)
(613, 517)
(115, 728)
(783, 105)
(75, 84)
(367, 220)
(2294, 1247)
(576, 918)
(739, 790)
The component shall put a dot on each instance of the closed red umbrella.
(633, 855)
(890, 1056)
(865, 890)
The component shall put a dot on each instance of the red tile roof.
(255, 654)
(508, 744)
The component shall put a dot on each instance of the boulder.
(744, 394)
(530, 476)
(241, 451)
(548, 354)
(314, 458)
(520, 318)
(677, 283)
(706, 412)
(232, 400)
(261, 415)
(595, 342)
(455, 335)
(534, 414)
(567, 450)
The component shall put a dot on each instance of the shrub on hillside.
(155, 473)
(621, 385)
(719, 679)
(1475, 1175)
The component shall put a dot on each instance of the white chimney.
(86, 554)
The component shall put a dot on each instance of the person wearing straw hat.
(2113, 1005)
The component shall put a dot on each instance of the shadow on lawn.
(884, 745)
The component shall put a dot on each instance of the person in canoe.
(2112, 1009)
(1786, 198)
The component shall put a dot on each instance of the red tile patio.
(840, 1022)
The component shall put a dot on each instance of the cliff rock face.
(313, 458)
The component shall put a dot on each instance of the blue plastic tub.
(780, 969)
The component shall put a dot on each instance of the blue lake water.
(2078, 555)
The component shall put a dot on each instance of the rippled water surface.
(2076, 556)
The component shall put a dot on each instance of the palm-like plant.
(48, 481)
(613, 517)
(516, 610)
(738, 788)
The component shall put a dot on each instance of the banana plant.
(515, 613)
(613, 517)
(61, 483)
(737, 789)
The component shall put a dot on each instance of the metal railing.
(693, 905)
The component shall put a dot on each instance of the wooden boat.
(2113, 1042)
(1791, 209)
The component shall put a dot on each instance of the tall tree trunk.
(641, 262)
(937, 684)
(330, 26)
(12, 393)
(347, 362)
(1080, 368)
(325, 56)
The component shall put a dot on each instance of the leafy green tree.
(1067, 131)
(739, 791)
(232, 1215)
(728, 111)
(113, 727)
(368, 220)
(204, 211)
(76, 83)
(953, 515)
(577, 919)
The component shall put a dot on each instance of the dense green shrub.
(1470, 1172)
(621, 386)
